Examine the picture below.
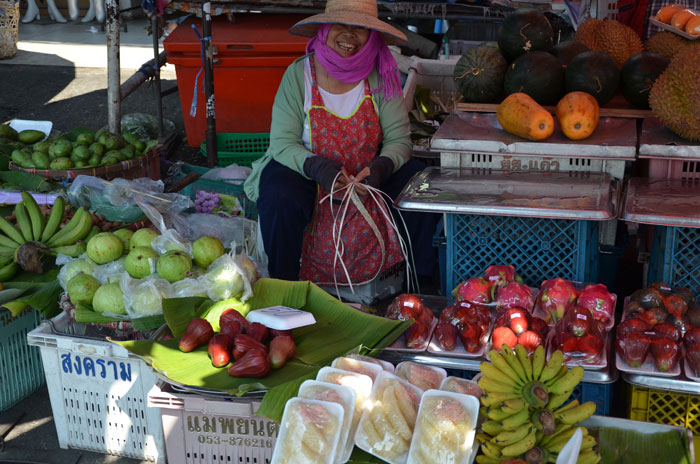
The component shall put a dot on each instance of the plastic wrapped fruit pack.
(558, 296)
(579, 336)
(422, 376)
(517, 325)
(636, 339)
(462, 386)
(406, 307)
(468, 322)
(662, 303)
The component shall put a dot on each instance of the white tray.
(458, 352)
(400, 343)
(602, 358)
(670, 28)
(648, 367)
(24, 124)
(689, 372)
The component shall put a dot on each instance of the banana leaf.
(73, 135)
(26, 181)
(85, 314)
(4, 157)
(41, 292)
(622, 446)
(338, 330)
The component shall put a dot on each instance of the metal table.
(561, 195)
(669, 202)
(680, 384)
(657, 141)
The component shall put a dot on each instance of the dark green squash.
(566, 51)
(537, 74)
(595, 73)
(638, 75)
(479, 74)
(524, 30)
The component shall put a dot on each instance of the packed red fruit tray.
(660, 325)
(558, 296)
(406, 307)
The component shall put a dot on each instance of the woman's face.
(347, 40)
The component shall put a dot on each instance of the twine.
(9, 22)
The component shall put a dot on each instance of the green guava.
(223, 281)
(109, 299)
(82, 288)
(125, 236)
(104, 247)
(142, 238)
(137, 262)
(74, 268)
(206, 249)
(174, 266)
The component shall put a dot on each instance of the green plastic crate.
(239, 148)
(219, 186)
(21, 370)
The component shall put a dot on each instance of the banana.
(7, 242)
(512, 360)
(510, 437)
(4, 260)
(73, 251)
(556, 445)
(492, 427)
(482, 437)
(8, 271)
(93, 231)
(23, 221)
(491, 450)
(7, 251)
(35, 215)
(538, 359)
(68, 228)
(516, 420)
(588, 442)
(496, 398)
(563, 370)
(520, 447)
(568, 381)
(552, 367)
(577, 414)
(483, 459)
(492, 372)
(497, 414)
(514, 405)
(588, 457)
(524, 358)
(55, 218)
(502, 365)
(557, 400)
(11, 231)
(571, 404)
(489, 385)
(561, 430)
(79, 232)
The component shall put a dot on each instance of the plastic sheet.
(144, 297)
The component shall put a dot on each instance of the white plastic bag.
(169, 239)
(231, 174)
(70, 267)
(189, 287)
(224, 279)
(144, 297)
(110, 272)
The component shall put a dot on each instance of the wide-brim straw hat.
(361, 13)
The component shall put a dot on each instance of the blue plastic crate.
(539, 248)
(675, 257)
(599, 393)
(440, 242)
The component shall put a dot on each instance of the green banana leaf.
(4, 157)
(85, 314)
(622, 446)
(73, 135)
(26, 181)
(339, 329)
(41, 292)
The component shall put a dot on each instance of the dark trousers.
(286, 205)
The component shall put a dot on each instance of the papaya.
(520, 115)
(578, 114)
(30, 136)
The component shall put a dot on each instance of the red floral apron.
(353, 141)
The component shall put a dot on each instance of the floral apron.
(354, 142)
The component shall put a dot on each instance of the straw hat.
(362, 13)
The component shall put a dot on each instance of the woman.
(338, 119)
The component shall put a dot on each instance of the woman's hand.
(357, 180)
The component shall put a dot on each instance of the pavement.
(59, 74)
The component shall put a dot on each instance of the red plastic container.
(250, 56)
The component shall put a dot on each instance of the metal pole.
(114, 102)
(209, 85)
(156, 58)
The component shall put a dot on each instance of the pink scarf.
(374, 53)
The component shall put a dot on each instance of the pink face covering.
(374, 53)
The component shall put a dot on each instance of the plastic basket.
(250, 208)
(675, 257)
(21, 372)
(239, 148)
(674, 169)
(599, 393)
(539, 249)
(201, 430)
(665, 407)
(9, 22)
(98, 394)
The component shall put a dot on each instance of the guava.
(82, 288)
(109, 299)
(174, 266)
(125, 236)
(74, 268)
(248, 267)
(137, 262)
(223, 279)
(104, 247)
(147, 297)
(142, 238)
(206, 249)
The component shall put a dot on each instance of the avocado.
(86, 139)
(140, 147)
(80, 152)
(128, 151)
(30, 136)
(94, 160)
(61, 163)
(19, 157)
(80, 164)
(41, 160)
(8, 132)
(97, 149)
(63, 148)
(42, 147)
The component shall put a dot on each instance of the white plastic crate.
(98, 394)
(387, 284)
(436, 75)
(210, 430)
(606, 9)
(674, 169)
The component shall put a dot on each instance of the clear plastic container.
(344, 396)
(445, 428)
(386, 365)
(369, 369)
(462, 386)
(386, 427)
(422, 376)
(309, 432)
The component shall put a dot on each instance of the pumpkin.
(566, 51)
(577, 115)
(520, 115)
(537, 74)
(638, 75)
(594, 73)
(524, 30)
(479, 74)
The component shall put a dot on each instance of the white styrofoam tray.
(25, 124)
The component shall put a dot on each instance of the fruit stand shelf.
(657, 141)
(668, 202)
(680, 384)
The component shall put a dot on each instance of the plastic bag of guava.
(70, 267)
(169, 239)
(189, 287)
(144, 297)
(110, 272)
(225, 279)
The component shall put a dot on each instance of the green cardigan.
(287, 125)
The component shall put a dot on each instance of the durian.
(666, 43)
(611, 37)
